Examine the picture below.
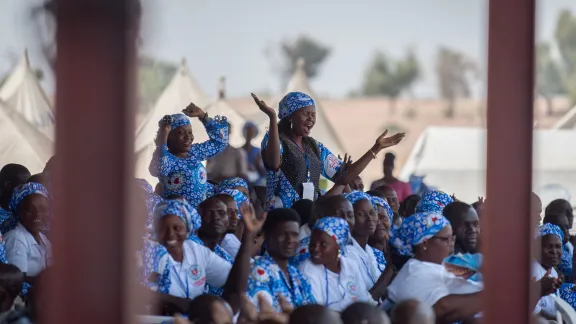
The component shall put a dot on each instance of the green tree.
(455, 72)
(154, 76)
(549, 78)
(565, 36)
(388, 77)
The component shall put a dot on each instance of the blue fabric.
(292, 102)
(377, 201)
(433, 201)
(152, 253)
(179, 120)
(416, 229)
(565, 265)
(187, 177)
(219, 251)
(232, 183)
(24, 191)
(239, 198)
(356, 196)
(279, 191)
(550, 229)
(380, 259)
(468, 261)
(151, 200)
(6, 220)
(267, 277)
(568, 294)
(182, 209)
(337, 228)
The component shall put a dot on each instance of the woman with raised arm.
(177, 162)
(294, 160)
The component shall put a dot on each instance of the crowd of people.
(259, 241)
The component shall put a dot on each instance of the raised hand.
(384, 142)
(347, 160)
(252, 224)
(193, 111)
(549, 284)
(165, 122)
(264, 107)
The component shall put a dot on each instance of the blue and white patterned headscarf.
(181, 209)
(550, 229)
(377, 201)
(433, 201)
(239, 198)
(24, 191)
(232, 183)
(356, 196)
(292, 102)
(179, 120)
(335, 227)
(416, 229)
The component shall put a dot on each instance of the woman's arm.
(217, 130)
(453, 308)
(156, 167)
(271, 154)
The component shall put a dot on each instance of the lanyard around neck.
(186, 287)
(328, 288)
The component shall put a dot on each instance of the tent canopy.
(22, 92)
(568, 121)
(21, 142)
(453, 159)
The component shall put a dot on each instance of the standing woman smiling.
(294, 160)
(177, 162)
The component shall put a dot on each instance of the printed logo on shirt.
(276, 202)
(195, 272)
(260, 274)
(175, 181)
(331, 165)
(351, 287)
(202, 177)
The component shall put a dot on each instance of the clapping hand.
(252, 224)
(549, 284)
(346, 163)
(264, 107)
(384, 142)
(193, 111)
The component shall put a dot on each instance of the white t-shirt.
(23, 251)
(428, 283)
(369, 270)
(304, 232)
(333, 290)
(546, 303)
(199, 266)
(231, 244)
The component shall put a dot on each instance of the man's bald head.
(411, 311)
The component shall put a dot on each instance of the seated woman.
(233, 199)
(371, 261)
(379, 240)
(565, 266)
(178, 268)
(550, 238)
(26, 246)
(429, 237)
(334, 278)
(177, 162)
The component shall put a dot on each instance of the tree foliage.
(549, 79)
(565, 36)
(154, 76)
(455, 73)
(386, 76)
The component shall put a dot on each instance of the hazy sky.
(228, 37)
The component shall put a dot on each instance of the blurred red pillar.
(506, 227)
(94, 148)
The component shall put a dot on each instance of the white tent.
(568, 121)
(453, 159)
(180, 92)
(21, 142)
(322, 130)
(22, 92)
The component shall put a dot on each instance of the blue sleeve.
(307, 292)
(265, 144)
(217, 130)
(162, 162)
(330, 163)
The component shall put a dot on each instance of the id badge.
(308, 191)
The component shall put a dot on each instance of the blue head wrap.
(550, 229)
(335, 227)
(232, 183)
(152, 199)
(417, 229)
(24, 191)
(239, 197)
(181, 209)
(377, 201)
(247, 125)
(292, 102)
(356, 196)
(179, 120)
(433, 201)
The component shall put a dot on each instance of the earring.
(339, 255)
(291, 124)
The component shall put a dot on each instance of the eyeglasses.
(445, 239)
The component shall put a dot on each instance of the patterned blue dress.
(7, 222)
(219, 252)
(267, 279)
(187, 177)
(284, 186)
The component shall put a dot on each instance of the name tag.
(308, 190)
